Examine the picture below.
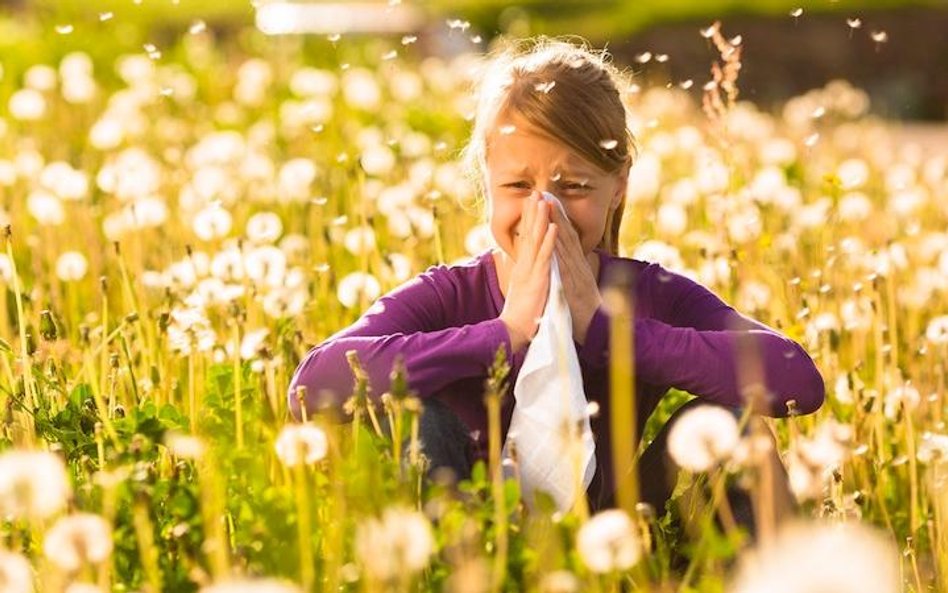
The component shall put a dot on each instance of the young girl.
(550, 119)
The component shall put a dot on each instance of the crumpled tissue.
(550, 402)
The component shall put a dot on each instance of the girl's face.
(521, 159)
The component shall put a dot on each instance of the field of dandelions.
(183, 223)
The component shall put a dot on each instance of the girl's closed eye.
(518, 185)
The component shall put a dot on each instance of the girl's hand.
(579, 282)
(529, 282)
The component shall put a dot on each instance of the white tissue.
(549, 394)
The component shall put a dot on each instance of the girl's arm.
(412, 321)
(695, 342)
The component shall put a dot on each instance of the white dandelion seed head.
(301, 444)
(400, 265)
(258, 585)
(378, 160)
(399, 542)
(46, 208)
(295, 178)
(32, 484)
(356, 284)
(212, 222)
(266, 265)
(360, 240)
(661, 253)
(937, 330)
(360, 89)
(83, 588)
(703, 437)
(932, 448)
(310, 82)
(27, 105)
(814, 557)
(185, 446)
(560, 581)
(479, 239)
(609, 542)
(904, 397)
(63, 180)
(671, 219)
(251, 343)
(78, 539)
(16, 574)
(106, 133)
(71, 266)
(264, 227)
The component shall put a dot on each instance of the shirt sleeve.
(692, 340)
(411, 321)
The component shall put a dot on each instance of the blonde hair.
(565, 90)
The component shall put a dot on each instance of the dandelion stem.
(238, 402)
(623, 418)
(304, 520)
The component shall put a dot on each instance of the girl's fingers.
(549, 243)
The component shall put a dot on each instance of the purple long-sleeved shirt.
(445, 324)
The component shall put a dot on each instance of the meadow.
(183, 222)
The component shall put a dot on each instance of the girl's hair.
(566, 91)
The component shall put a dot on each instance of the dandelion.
(184, 446)
(560, 581)
(608, 144)
(266, 265)
(796, 12)
(27, 105)
(399, 543)
(71, 266)
(78, 539)
(197, 27)
(854, 23)
(902, 398)
(355, 284)
(643, 57)
(609, 542)
(937, 330)
(105, 16)
(409, 39)
(686, 84)
(252, 342)
(813, 557)
(360, 240)
(879, 36)
(32, 484)
(703, 437)
(16, 574)
(251, 586)
(64, 29)
(264, 227)
(378, 160)
(361, 89)
(301, 444)
(213, 222)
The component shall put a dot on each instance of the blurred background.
(896, 50)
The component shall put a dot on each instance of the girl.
(550, 119)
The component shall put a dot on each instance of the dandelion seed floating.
(854, 23)
(709, 32)
(634, 89)
(64, 29)
(166, 92)
(153, 52)
(736, 40)
(710, 85)
(686, 84)
(644, 57)
(105, 16)
(409, 39)
(545, 87)
(390, 55)
(812, 139)
(796, 13)
(476, 39)
(556, 177)
(334, 37)
(608, 144)
(879, 37)
(661, 58)
(508, 129)
(818, 112)
(458, 24)
(197, 27)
